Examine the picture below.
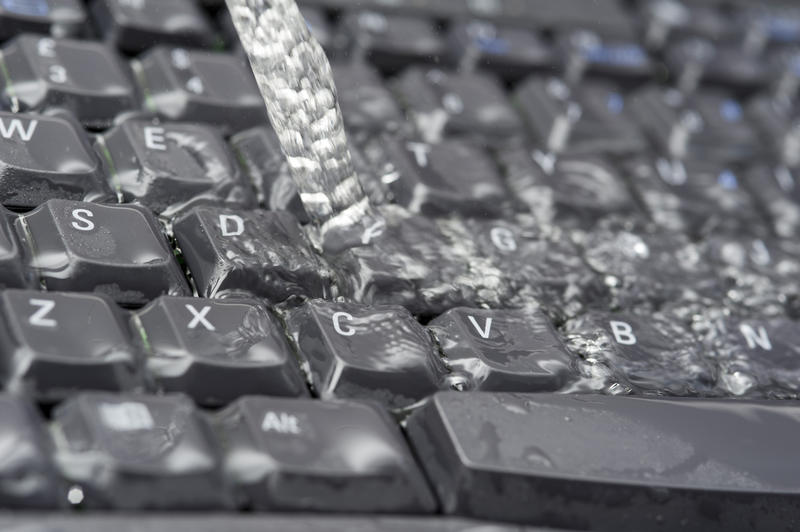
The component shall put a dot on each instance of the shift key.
(613, 462)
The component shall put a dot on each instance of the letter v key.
(486, 330)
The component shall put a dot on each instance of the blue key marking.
(783, 29)
(492, 45)
(615, 103)
(728, 180)
(624, 55)
(730, 110)
(34, 8)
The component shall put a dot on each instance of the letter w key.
(14, 127)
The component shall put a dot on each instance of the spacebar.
(613, 463)
(242, 523)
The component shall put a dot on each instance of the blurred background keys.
(88, 78)
(506, 51)
(216, 350)
(388, 40)
(366, 352)
(294, 455)
(117, 250)
(260, 253)
(58, 18)
(46, 156)
(198, 86)
(473, 104)
(602, 450)
(134, 25)
(57, 343)
(509, 350)
(367, 105)
(27, 476)
(170, 166)
(137, 452)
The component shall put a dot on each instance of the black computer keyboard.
(581, 314)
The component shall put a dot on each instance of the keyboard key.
(646, 270)
(761, 275)
(364, 352)
(390, 41)
(592, 118)
(756, 357)
(87, 78)
(650, 354)
(502, 350)
(439, 179)
(58, 343)
(583, 51)
(116, 250)
(470, 104)
(137, 452)
(777, 191)
(134, 26)
(45, 157)
(243, 522)
(59, 18)
(504, 50)
(169, 167)
(572, 190)
(365, 102)
(287, 454)
(427, 266)
(261, 253)
(197, 86)
(707, 126)
(12, 272)
(27, 476)
(216, 351)
(539, 262)
(695, 196)
(479, 448)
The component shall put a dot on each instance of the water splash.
(295, 80)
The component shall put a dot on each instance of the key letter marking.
(39, 318)
(337, 324)
(487, 328)
(623, 332)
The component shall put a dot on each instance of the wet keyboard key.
(57, 343)
(391, 40)
(168, 167)
(12, 272)
(650, 354)
(756, 357)
(490, 455)
(216, 350)
(293, 455)
(438, 179)
(470, 104)
(777, 191)
(365, 352)
(135, 452)
(592, 118)
(44, 157)
(116, 250)
(27, 476)
(365, 102)
(502, 350)
(646, 270)
(571, 189)
(505, 50)
(87, 78)
(695, 196)
(134, 26)
(257, 252)
(198, 86)
(59, 18)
